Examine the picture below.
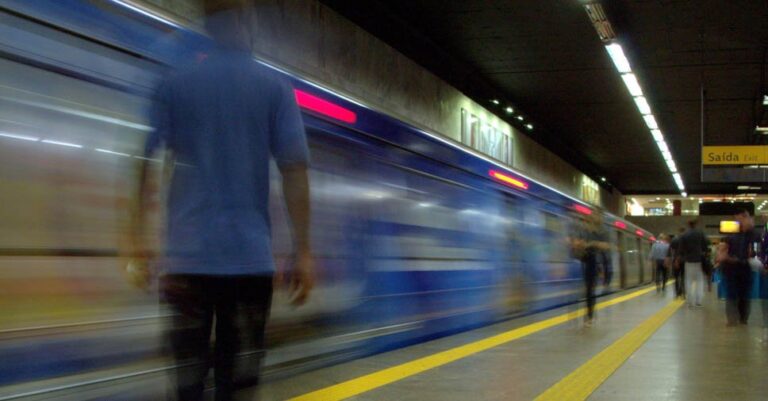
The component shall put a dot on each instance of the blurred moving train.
(415, 236)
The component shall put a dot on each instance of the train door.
(645, 249)
(615, 259)
(632, 260)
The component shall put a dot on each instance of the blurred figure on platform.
(693, 248)
(221, 119)
(658, 257)
(734, 258)
(676, 265)
(592, 247)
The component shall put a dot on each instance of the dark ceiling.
(545, 58)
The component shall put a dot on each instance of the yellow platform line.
(588, 377)
(383, 377)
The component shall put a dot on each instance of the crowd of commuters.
(694, 263)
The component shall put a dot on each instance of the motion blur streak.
(412, 241)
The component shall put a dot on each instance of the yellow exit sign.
(734, 155)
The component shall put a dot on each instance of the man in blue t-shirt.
(221, 119)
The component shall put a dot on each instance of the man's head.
(744, 219)
(228, 22)
(692, 223)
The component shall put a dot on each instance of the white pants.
(694, 277)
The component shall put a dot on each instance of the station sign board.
(734, 155)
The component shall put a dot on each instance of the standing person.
(676, 265)
(221, 119)
(733, 257)
(593, 247)
(658, 257)
(693, 249)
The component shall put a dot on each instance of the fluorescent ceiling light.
(672, 166)
(642, 105)
(667, 155)
(520, 118)
(495, 101)
(619, 59)
(630, 80)
(650, 121)
(685, 195)
(657, 135)
(742, 187)
(68, 144)
(22, 137)
(765, 100)
(529, 126)
(678, 180)
(509, 110)
(663, 147)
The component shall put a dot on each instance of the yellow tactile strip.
(383, 377)
(588, 377)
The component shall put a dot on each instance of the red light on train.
(640, 233)
(621, 225)
(582, 209)
(324, 107)
(508, 180)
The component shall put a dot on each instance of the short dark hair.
(211, 7)
(692, 223)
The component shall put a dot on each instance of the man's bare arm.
(296, 192)
(138, 249)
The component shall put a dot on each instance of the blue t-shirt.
(222, 118)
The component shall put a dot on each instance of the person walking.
(676, 265)
(221, 119)
(733, 257)
(592, 246)
(693, 249)
(658, 257)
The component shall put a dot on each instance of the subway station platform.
(644, 345)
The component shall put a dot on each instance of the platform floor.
(644, 345)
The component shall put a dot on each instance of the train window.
(66, 158)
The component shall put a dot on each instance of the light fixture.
(619, 59)
(761, 129)
(319, 105)
(642, 105)
(509, 110)
(495, 101)
(603, 179)
(630, 80)
(765, 100)
(650, 121)
(685, 195)
(520, 118)
(529, 126)
(671, 165)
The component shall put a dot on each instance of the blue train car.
(414, 235)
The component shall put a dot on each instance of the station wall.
(308, 38)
